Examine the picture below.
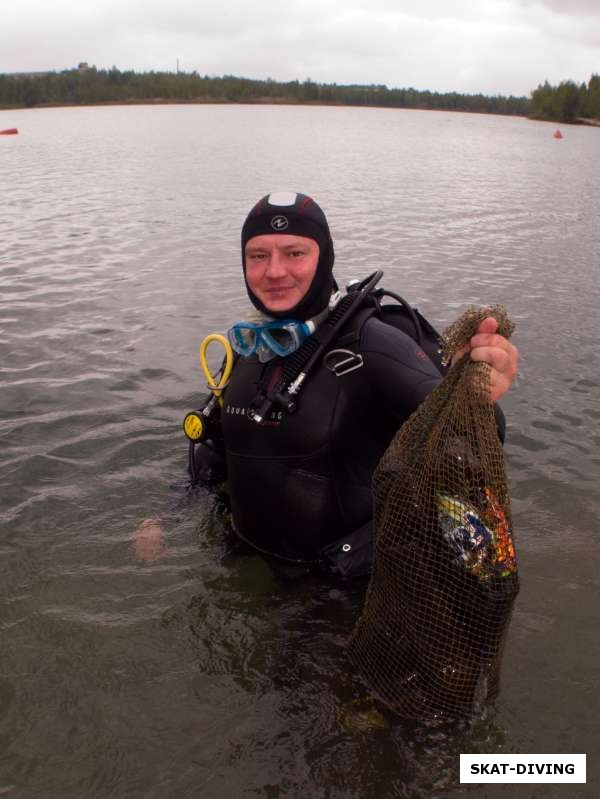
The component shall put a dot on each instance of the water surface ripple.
(210, 671)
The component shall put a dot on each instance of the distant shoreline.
(256, 101)
(87, 86)
(592, 123)
(285, 101)
(250, 101)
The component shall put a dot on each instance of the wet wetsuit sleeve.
(210, 463)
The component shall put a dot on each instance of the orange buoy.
(9, 132)
(557, 134)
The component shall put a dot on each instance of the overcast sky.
(489, 46)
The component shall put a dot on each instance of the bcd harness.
(327, 344)
(362, 301)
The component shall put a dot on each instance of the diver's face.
(280, 268)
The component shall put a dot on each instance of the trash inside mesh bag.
(430, 637)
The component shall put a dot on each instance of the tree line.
(90, 86)
(567, 102)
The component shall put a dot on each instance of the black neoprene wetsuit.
(300, 481)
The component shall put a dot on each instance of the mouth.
(279, 289)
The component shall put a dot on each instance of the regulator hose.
(196, 423)
(217, 383)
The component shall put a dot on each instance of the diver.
(300, 482)
(320, 385)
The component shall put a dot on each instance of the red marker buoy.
(9, 132)
(557, 134)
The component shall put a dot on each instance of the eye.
(256, 256)
(297, 253)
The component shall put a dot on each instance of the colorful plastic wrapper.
(430, 638)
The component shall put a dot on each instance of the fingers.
(502, 356)
(485, 337)
(489, 340)
(487, 346)
(488, 325)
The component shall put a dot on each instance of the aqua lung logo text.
(279, 223)
(236, 410)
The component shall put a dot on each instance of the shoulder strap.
(418, 328)
(351, 333)
(299, 365)
(403, 317)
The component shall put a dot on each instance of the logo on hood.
(279, 223)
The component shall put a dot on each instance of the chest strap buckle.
(340, 362)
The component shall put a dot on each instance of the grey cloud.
(569, 8)
(500, 46)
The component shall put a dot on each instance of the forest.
(92, 86)
(566, 102)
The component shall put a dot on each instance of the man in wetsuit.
(300, 483)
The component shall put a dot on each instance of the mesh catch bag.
(430, 637)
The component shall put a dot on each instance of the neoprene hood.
(296, 214)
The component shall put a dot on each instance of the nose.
(276, 266)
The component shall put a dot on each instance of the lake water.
(211, 672)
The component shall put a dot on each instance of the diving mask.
(267, 340)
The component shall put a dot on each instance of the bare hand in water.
(148, 541)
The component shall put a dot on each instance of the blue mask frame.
(268, 339)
